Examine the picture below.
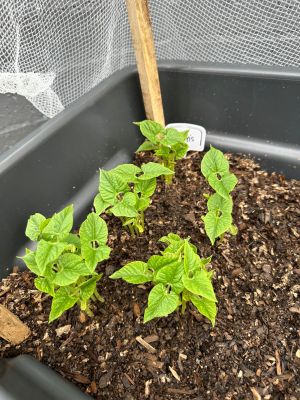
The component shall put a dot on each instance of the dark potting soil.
(254, 350)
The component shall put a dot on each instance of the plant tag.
(197, 134)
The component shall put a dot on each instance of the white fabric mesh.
(53, 51)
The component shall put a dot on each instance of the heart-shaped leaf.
(161, 302)
(134, 272)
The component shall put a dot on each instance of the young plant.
(65, 262)
(179, 275)
(168, 144)
(126, 191)
(218, 220)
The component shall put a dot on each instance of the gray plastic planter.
(254, 111)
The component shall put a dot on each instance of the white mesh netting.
(53, 51)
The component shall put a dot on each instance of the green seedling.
(179, 276)
(168, 144)
(218, 220)
(65, 262)
(126, 191)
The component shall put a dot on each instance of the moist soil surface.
(253, 352)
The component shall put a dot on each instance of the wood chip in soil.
(254, 350)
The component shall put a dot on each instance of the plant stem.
(98, 296)
(168, 179)
(137, 232)
(143, 219)
(131, 230)
(89, 311)
(169, 163)
(183, 306)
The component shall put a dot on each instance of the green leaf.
(171, 275)
(94, 255)
(134, 272)
(126, 207)
(216, 223)
(48, 252)
(222, 184)
(175, 243)
(161, 302)
(30, 261)
(33, 228)
(127, 172)
(111, 185)
(87, 289)
(123, 210)
(146, 146)
(130, 199)
(153, 170)
(60, 224)
(150, 129)
(170, 238)
(205, 307)
(163, 151)
(73, 239)
(200, 284)
(61, 302)
(44, 285)
(70, 268)
(147, 188)
(157, 262)
(143, 203)
(180, 150)
(45, 223)
(192, 261)
(93, 236)
(219, 203)
(214, 161)
(49, 272)
(100, 205)
(173, 136)
(93, 229)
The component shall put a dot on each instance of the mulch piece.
(253, 351)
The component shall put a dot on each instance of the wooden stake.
(141, 30)
(12, 328)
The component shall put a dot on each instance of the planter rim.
(246, 70)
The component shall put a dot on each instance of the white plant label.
(197, 135)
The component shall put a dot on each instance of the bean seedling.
(179, 275)
(65, 262)
(168, 144)
(126, 191)
(218, 220)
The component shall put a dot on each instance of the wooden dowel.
(142, 36)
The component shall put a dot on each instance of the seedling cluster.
(218, 220)
(179, 275)
(168, 144)
(126, 191)
(65, 263)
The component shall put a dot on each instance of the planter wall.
(251, 111)
(24, 378)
